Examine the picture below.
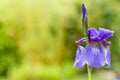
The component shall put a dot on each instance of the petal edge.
(80, 59)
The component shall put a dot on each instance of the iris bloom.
(97, 52)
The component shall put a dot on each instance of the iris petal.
(94, 39)
(108, 56)
(93, 34)
(95, 56)
(80, 59)
(105, 43)
(82, 40)
(104, 34)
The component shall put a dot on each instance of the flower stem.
(89, 72)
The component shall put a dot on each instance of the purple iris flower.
(97, 52)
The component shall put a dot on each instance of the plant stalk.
(89, 69)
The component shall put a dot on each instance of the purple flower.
(97, 51)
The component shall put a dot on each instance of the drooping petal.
(107, 56)
(95, 56)
(104, 33)
(80, 59)
(93, 34)
(80, 41)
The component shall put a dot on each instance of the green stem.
(85, 29)
(89, 72)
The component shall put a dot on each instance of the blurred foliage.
(8, 52)
(40, 35)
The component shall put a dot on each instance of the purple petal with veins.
(104, 34)
(95, 56)
(80, 59)
(82, 40)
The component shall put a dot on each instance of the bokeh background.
(37, 38)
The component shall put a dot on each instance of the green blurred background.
(37, 38)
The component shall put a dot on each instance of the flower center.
(95, 44)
